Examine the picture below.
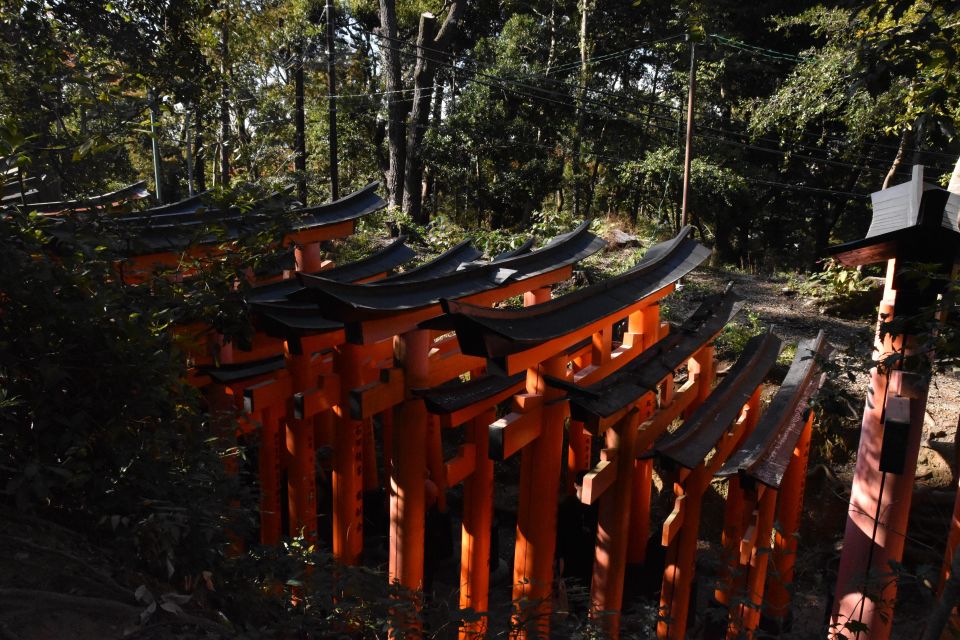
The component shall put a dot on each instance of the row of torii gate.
(593, 381)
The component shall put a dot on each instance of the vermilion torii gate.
(536, 340)
(369, 317)
(346, 344)
(913, 223)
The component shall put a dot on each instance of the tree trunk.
(200, 154)
(429, 173)
(396, 104)
(898, 160)
(423, 76)
(225, 97)
(582, 94)
(299, 120)
(429, 47)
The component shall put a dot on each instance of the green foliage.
(734, 337)
(843, 291)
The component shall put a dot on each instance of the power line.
(557, 98)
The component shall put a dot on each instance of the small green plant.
(735, 336)
(836, 283)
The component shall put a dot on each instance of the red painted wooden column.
(409, 465)
(643, 325)
(477, 522)
(301, 444)
(270, 448)
(348, 460)
(682, 528)
(753, 558)
(613, 525)
(789, 512)
(877, 519)
(308, 258)
(540, 463)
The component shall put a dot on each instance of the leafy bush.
(734, 337)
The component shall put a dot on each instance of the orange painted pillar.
(642, 326)
(477, 523)
(681, 560)
(871, 543)
(435, 465)
(733, 527)
(301, 445)
(347, 482)
(578, 453)
(640, 511)
(407, 485)
(386, 420)
(540, 463)
(270, 449)
(745, 617)
(613, 527)
(370, 480)
(789, 512)
(308, 258)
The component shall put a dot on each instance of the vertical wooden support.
(877, 521)
(953, 541)
(408, 482)
(308, 258)
(789, 512)
(613, 526)
(301, 445)
(537, 513)
(386, 419)
(477, 522)
(643, 325)
(325, 425)
(438, 471)
(681, 559)
(682, 545)
(733, 528)
(348, 461)
(640, 511)
(754, 557)
(270, 448)
(370, 480)
(578, 453)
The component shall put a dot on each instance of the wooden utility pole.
(332, 103)
(688, 155)
(300, 138)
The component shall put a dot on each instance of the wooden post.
(733, 528)
(348, 461)
(308, 258)
(646, 323)
(877, 519)
(682, 529)
(477, 522)
(408, 482)
(681, 558)
(754, 556)
(270, 447)
(301, 444)
(613, 526)
(438, 471)
(789, 512)
(537, 516)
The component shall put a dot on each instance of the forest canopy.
(503, 111)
